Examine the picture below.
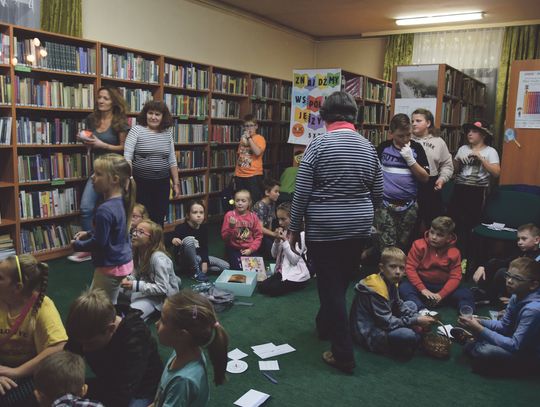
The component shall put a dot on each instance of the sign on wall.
(528, 100)
(416, 87)
(310, 88)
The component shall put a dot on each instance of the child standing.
(380, 320)
(30, 327)
(191, 240)
(266, 211)
(153, 277)
(189, 324)
(490, 278)
(475, 164)
(291, 272)
(59, 381)
(510, 346)
(118, 347)
(109, 241)
(434, 269)
(404, 164)
(241, 230)
(441, 168)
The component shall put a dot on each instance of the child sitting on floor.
(434, 269)
(510, 346)
(291, 272)
(380, 320)
(59, 381)
(491, 284)
(265, 209)
(138, 215)
(241, 230)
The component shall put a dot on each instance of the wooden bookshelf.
(460, 98)
(38, 124)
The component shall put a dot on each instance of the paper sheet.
(236, 354)
(252, 398)
(271, 351)
(268, 365)
(442, 332)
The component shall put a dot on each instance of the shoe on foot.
(80, 257)
(200, 277)
(461, 336)
(345, 367)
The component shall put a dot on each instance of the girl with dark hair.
(149, 148)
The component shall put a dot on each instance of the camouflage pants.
(395, 228)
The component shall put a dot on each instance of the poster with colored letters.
(528, 101)
(310, 88)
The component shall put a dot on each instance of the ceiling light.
(447, 18)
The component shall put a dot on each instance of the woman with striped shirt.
(149, 148)
(339, 183)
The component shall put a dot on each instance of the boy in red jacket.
(434, 269)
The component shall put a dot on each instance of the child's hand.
(479, 274)
(282, 234)
(232, 221)
(471, 324)
(176, 241)
(504, 300)
(127, 284)
(406, 153)
(82, 235)
(439, 184)
(246, 252)
(6, 384)
(10, 372)
(425, 320)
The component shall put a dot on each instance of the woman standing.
(339, 183)
(108, 124)
(149, 147)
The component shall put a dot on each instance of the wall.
(364, 56)
(182, 29)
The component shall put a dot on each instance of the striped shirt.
(337, 186)
(152, 153)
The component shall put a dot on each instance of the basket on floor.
(437, 346)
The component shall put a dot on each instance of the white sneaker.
(80, 257)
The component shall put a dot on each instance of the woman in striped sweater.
(339, 183)
(149, 148)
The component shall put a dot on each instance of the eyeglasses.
(519, 279)
(139, 232)
(136, 216)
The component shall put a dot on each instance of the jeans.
(402, 341)
(140, 402)
(190, 262)
(88, 203)
(459, 297)
(493, 360)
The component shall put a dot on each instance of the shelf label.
(23, 68)
(183, 116)
(58, 182)
(202, 117)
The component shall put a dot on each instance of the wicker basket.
(437, 346)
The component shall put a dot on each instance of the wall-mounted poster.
(416, 87)
(528, 101)
(310, 88)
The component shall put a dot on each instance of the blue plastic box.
(239, 289)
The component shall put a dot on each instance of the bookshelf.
(459, 98)
(45, 99)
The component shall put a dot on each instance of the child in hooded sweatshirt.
(434, 269)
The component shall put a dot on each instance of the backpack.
(220, 299)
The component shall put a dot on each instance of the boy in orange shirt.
(248, 173)
(434, 269)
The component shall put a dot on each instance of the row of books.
(5, 90)
(218, 181)
(373, 114)
(285, 113)
(5, 130)
(45, 131)
(128, 66)
(473, 92)
(229, 84)
(136, 98)
(264, 130)
(284, 134)
(222, 108)
(55, 94)
(452, 137)
(286, 92)
(47, 236)
(189, 159)
(189, 133)
(186, 76)
(378, 91)
(452, 82)
(44, 204)
(6, 245)
(224, 133)
(376, 136)
(175, 213)
(263, 88)
(185, 105)
(4, 48)
(262, 111)
(59, 57)
(56, 166)
(222, 158)
(192, 185)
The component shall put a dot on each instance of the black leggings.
(274, 286)
(154, 195)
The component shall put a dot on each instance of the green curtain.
(521, 42)
(399, 50)
(62, 16)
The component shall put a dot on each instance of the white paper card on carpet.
(265, 347)
(252, 398)
(441, 331)
(236, 354)
(268, 365)
(275, 351)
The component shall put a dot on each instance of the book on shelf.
(43, 204)
(189, 133)
(7, 247)
(175, 213)
(45, 131)
(185, 105)
(5, 130)
(378, 91)
(229, 84)
(262, 111)
(189, 159)
(4, 44)
(128, 66)
(56, 166)
(44, 237)
(285, 92)
(191, 185)
(263, 88)
(53, 94)
(135, 98)
(5, 90)
(218, 181)
(185, 76)
(225, 109)
(224, 133)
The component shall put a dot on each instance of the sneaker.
(345, 367)
(80, 257)
(200, 277)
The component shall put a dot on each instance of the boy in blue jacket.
(510, 346)
(380, 320)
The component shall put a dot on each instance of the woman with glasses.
(153, 277)
(248, 173)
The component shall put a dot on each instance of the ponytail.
(217, 350)
(129, 195)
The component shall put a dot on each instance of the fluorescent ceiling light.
(447, 18)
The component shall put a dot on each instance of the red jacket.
(246, 233)
(436, 266)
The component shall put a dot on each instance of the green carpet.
(303, 379)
